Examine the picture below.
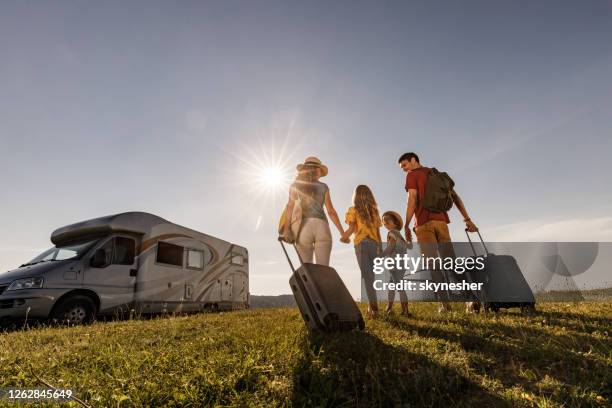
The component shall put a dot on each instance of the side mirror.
(99, 258)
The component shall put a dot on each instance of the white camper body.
(212, 273)
(131, 262)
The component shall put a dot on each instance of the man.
(431, 228)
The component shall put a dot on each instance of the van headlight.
(27, 283)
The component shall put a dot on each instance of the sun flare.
(272, 176)
(263, 171)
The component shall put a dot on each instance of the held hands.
(344, 238)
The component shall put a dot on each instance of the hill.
(559, 356)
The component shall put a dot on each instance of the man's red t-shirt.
(417, 180)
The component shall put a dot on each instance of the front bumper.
(26, 303)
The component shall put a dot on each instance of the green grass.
(561, 356)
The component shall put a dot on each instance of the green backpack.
(438, 191)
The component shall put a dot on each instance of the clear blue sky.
(113, 106)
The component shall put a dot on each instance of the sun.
(262, 172)
(273, 177)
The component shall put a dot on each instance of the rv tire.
(77, 309)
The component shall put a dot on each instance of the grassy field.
(560, 356)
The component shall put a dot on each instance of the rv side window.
(169, 253)
(125, 249)
(237, 259)
(195, 259)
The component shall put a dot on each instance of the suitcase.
(504, 283)
(324, 301)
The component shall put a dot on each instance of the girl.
(396, 244)
(364, 222)
(314, 237)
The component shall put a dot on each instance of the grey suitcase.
(324, 301)
(504, 283)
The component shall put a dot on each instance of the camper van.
(132, 262)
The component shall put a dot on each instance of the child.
(396, 244)
(364, 222)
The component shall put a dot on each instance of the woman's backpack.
(296, 219)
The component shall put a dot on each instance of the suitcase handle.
(467, 233)
(282, 242)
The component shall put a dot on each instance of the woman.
(364, 221)
(314, 237)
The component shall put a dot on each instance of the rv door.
(240, 289)
(111, 273)
(226, 288)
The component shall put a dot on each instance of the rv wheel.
(74, 310)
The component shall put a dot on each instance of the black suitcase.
(324, 301)
(504, 283)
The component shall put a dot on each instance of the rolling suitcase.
(324, 301)
(504, 283)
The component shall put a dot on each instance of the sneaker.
(472, 307)
(444, 309)
(406, 313)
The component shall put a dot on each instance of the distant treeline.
(271, 301)
(591, 295)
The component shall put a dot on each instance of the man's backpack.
(438, 191)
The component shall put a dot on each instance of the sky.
(175, 108)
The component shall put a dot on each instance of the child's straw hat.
(396, 218)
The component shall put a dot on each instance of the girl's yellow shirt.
(362, 230)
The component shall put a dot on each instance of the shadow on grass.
(13, 325)
(577, 321)
(512, 351)
(358, 369)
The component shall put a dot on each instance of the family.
(313, 238)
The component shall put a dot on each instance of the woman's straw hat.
(313, 162)
(396, 218)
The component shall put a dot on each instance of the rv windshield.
(62, 253)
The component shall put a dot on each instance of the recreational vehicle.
(131, 262)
